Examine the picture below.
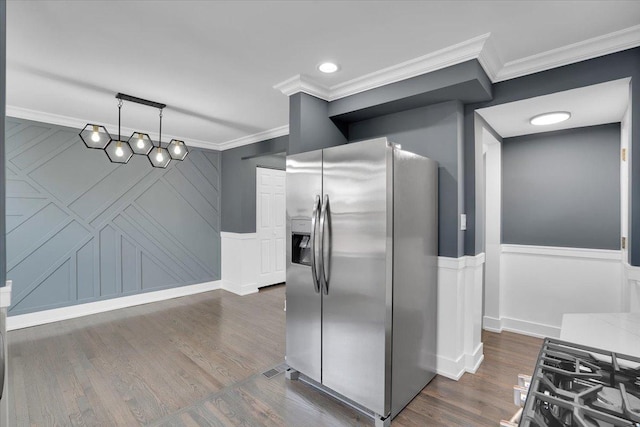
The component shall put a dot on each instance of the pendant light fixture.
(95, 136)
(140, 143)
(117, 150)
(120, 151)
(159, 157)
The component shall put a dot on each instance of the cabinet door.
(356, 326)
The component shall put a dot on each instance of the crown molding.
(481, 48)
(489, 59)
(467, 50)
(41, 116)
(303, 83)
(591, 48)
(256, 137)
(79, 123)
(451, 55)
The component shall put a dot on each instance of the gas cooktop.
(574, 385)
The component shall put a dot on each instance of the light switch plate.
(463, 222)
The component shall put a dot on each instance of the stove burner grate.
(575, 385)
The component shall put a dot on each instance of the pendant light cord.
(119, 109)
(160, 136)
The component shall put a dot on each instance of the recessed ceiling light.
(328, 67)
(550, 118)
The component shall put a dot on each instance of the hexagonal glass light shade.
(95, 136)
(159, 157)
(177, 149)
(140, 143)
(118, 151)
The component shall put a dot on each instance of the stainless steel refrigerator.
(362, 227)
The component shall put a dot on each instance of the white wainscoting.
(5, 294)
(240, 260)
(459, 315)
(539, 284)
(64, 313)
(631, 289)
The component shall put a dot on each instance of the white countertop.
(618, 332)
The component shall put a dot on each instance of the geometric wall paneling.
(23, 240)
(154, 274)
(81, 228)
(10, 125)
(181, 263)
(129, 260)
(21, 209)
(53, 290)
(192, 196)
(72, 172)
(34, 269)
(203, 162)
(85, 272)
(58, 141)
(199, 180)
(8, 172)
(108, 192)
(20, 188)
(108, 262)
(111, 209)
(23, 134)
(179, 219)
(171, 253)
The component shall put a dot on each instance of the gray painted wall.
(598, 70)
(435, 132)
(80, 228)
(239, 181)
(3, 74)
(310, 127)
(562, 188)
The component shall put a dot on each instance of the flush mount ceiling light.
(119, 151)
(550, 118)
(328, 67)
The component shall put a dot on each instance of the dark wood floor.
(199, 361)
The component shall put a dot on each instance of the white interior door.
(270, 225)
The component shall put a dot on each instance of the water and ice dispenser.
(301, 241)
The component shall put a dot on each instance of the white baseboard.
(491, 324)
(450, 368)
(240, 289)
(524, 327)
(473, 361)
(64, 313)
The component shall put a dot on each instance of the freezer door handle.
(314, 225)
(325, 226)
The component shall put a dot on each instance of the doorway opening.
(529, 284)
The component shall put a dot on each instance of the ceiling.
(589, 106)
(215, 63)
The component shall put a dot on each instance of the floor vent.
(271, 373)
(275, 371)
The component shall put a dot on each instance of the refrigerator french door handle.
(313, 238)
(325, 265)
